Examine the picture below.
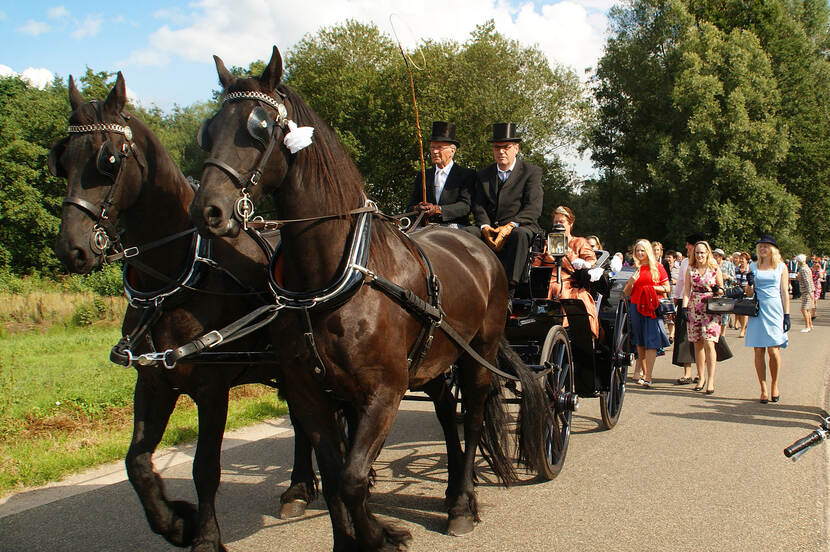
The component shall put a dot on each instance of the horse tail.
(495, 435)
(533, 410)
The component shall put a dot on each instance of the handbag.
(719, 305)
(722, 350)
(747, 306)
(665, 307)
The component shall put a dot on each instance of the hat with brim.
(443, 131)
(505, 132)
(719, 251)
(767, 238)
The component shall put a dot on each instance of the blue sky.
(165, 48)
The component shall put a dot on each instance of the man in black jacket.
(449, 186)
(507, 202)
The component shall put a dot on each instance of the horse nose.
(214, 216)
(75, 259)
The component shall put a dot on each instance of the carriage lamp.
(558, 242)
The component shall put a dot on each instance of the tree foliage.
(357, 80)
(712, 117)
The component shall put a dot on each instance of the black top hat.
(504, 132)
(443, 132)
(767, 238)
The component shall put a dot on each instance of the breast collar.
(343, 287)
(199, 259)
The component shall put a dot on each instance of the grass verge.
(64, 407)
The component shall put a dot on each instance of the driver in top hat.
(449, 186)
(507, 202)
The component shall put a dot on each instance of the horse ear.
(75, 98)
(117, 98)
(272, 74)
(225, 76)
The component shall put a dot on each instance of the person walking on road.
(805, 282)
(645, 286)
(703, 280)
(767, 332)
(742, 277)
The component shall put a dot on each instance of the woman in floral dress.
(703, 280)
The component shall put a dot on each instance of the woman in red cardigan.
(645, 287)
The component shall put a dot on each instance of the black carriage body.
(532, 318)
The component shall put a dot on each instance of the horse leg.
(303, 487)
(445, 408)
(372, 429)
(175, 521)
(314, 416)
(212, 403)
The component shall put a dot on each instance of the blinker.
(260, 125)
(108, 160)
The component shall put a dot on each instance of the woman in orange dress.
(580, 255)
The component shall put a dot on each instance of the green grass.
(64, 407)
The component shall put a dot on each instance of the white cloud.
(570, 32)
(89, 27)
(57, 12)
(6, 71)
(34, 28)
(37, 77)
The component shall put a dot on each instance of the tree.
(689, 131)
(355, 78)
(30, 198)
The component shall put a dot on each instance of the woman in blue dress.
(769, 279)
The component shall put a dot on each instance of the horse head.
(104, 171)
(247, 153)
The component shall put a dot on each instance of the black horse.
(117, 170)
(361, 346)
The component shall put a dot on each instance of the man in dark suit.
(507, 202)
(449, 186)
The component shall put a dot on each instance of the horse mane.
(325, 164)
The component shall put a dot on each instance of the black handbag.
(747, 306)
(665, 307)
(719, 305)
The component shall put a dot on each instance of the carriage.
(342, 331)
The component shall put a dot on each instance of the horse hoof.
(293, 509)
(460, 526)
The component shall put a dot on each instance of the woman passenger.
(644, 288)
(580, 255)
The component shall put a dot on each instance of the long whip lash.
(409, 63)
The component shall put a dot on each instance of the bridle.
(263, 130)
(109, 162)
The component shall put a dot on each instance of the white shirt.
(505, 174)
(441, 179)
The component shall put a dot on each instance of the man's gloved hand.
(435, 211)
(423, 206)
(429, 209)
(489, 234)
(786, 322)
(503, 232)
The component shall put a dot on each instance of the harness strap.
(319, 369)
(230, 171)
(121, 353)
(238, 329)
(420, 309)
(138, 250)
(274, 224)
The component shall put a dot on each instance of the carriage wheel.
(611, 401)
(559, 388)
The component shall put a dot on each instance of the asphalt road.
(681, 471)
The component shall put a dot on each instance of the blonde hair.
(596, 239)
(775, 258)
(652, 262)
(710, 260)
